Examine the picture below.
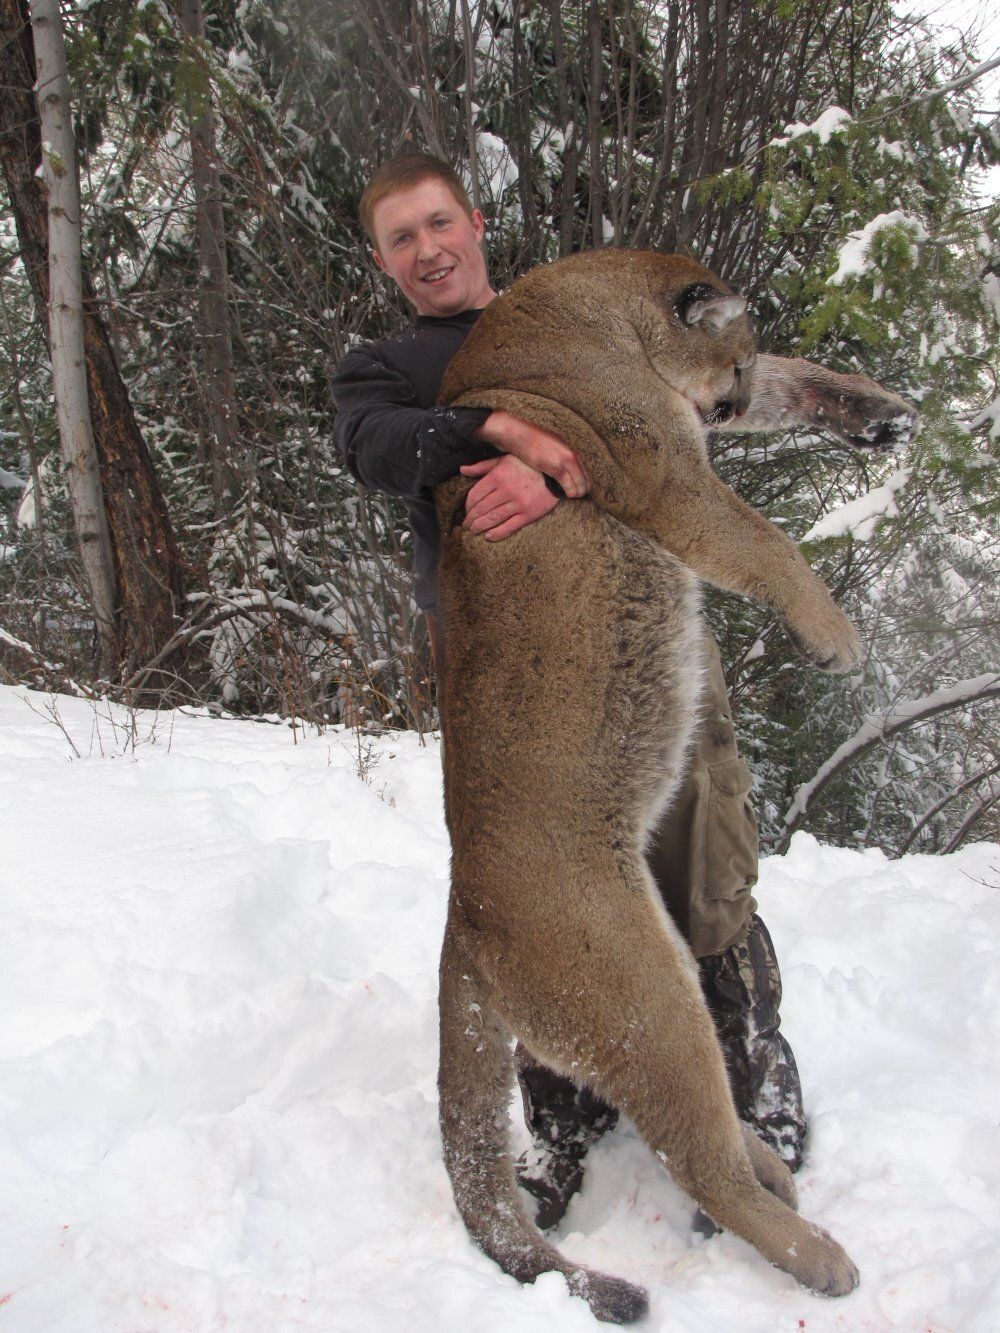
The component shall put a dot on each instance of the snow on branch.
(963, 81)
(27, 657)
(834, 120)
(853, 256)
(877, 728)
(251, 604)
(859, 517)
(990, 417)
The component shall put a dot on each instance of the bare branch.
(874, 730)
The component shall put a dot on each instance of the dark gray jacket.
(395, 438)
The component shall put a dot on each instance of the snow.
(834, 120)
(860, 517)
(991, 293)
(853, 256)
(496, 164)
(217, 973)
(989, 416)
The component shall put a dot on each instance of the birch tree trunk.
(69, 367)
(213, 287)
(148, 565)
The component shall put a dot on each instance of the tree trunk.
(213, 287)
(147, 562)
(596, 211)
(69, 371)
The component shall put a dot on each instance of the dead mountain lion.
(569, 691)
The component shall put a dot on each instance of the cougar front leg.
(791, 392)
(705, 524)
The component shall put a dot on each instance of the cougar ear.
(701, 304)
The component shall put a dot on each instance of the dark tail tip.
(612, 1299)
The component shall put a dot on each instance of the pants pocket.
(730, 831)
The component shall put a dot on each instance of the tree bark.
(596, 211)
(213, 287)
(69, 371)
(148, 565)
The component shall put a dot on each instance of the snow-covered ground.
(218, 1047)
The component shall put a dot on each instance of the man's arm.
(388, 441)
(391, 444)
(792, 392)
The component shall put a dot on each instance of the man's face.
(427, 243)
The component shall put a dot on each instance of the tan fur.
(568, 699)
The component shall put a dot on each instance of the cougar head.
(699, 340)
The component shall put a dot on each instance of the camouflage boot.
(565, 1122)
(742, 987)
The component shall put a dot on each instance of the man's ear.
(478, 224)
(378, 260)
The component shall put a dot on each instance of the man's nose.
(427, 245)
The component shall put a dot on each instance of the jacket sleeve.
(389, 442)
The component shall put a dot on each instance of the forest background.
(831, 159)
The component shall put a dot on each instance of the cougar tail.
(474, 1081)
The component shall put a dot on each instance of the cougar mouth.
(722, 412)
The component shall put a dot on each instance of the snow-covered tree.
(825, 157)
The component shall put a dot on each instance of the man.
(427, 239)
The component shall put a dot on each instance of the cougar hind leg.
(635, 1028)
(474, 1082)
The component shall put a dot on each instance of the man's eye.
(400, 240)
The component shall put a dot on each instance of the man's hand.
(507, 497)
(540, 450)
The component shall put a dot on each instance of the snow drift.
(218, 974)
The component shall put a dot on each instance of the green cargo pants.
(703, 855)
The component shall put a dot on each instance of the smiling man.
(431, 248)
(427, 238)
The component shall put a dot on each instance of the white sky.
(979, 20)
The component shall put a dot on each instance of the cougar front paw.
(887, 428)
(864, 414)
(829, 640)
